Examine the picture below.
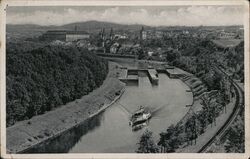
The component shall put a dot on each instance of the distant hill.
(89, 26)
(92, 26)
(27, 27)
(97, 25)
(23, 31)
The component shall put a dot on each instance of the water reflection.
(68, 139)
(167, 100)
(109, 132)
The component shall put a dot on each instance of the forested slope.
(39, 79)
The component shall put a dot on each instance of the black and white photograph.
(122, 78)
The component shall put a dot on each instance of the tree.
(197, 52)
(169, 140)
(211, 108)
(42, 78)
(206, 102)
(141, 54)
(191, 129)
(147, 144)
(221, 100)
(201, 117)
(173, 56)
(235, 139)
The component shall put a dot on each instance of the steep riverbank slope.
(28, 133)
(41, 79)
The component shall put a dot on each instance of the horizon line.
(128, 24)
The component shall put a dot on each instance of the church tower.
(111, 35)
(143, 34)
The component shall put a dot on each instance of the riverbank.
(26, 134)
(198, 89)
(210, 131)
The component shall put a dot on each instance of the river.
(109, 132)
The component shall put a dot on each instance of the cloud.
(186, 15)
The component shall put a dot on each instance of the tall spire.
(141, 32)
(103, 33)
(111, 34)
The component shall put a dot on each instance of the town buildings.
(227, 35)
(65, 35)
(53, 35)
(150, 34)
(76, 35)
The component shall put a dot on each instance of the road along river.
(109, 132)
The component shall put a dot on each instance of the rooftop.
(77, 32)
(65, 32)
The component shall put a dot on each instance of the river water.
(109, 132)
(168, 101)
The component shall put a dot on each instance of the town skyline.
(140, 15)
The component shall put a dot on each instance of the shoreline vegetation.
(214, 103)
(189, 135)
(20, 137)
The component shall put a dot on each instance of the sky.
(147, 15)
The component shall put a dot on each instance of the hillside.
(231, 58)
(93, 26)
(43, 78)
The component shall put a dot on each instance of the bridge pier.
(153, 76)
(151, 73)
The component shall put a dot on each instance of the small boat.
(140, 118)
